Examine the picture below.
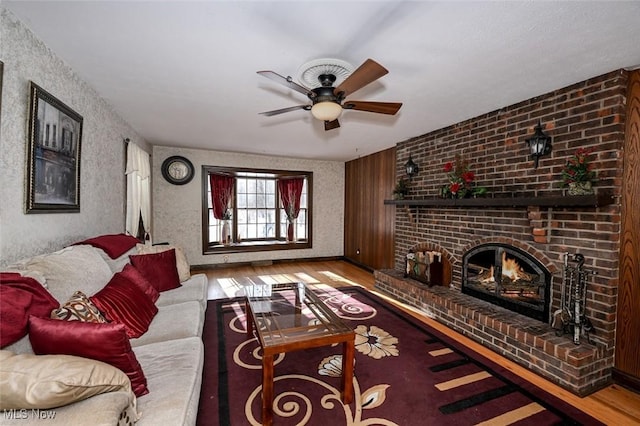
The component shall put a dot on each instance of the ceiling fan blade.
(287, 81)
(283, 110)
(390, 108)
(366, 73)
(330, 125)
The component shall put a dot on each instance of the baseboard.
(358, 264)
(196, 268)
(626, 380)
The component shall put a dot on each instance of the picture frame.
(1, 74)
(53, 155)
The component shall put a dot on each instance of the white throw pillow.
(47, 381)
(72, 268)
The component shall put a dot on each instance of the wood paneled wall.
(369, 223)
(627, 360)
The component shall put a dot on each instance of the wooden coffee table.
(290, 317)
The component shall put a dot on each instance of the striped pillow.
(123, 302)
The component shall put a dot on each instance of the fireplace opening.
(509, 277)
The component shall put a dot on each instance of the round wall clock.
(177, 170)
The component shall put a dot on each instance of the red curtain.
(290, 191)
(221, 192)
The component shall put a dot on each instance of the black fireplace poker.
(570, 317)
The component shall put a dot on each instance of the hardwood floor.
(613, 405)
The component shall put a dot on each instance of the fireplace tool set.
(570, 318)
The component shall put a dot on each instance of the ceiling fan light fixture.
(326, 111)
(337, 82)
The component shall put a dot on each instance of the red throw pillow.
(115, 245)
(136, 277)
(21, 297)
(159, 268)
(123, 302)
(102, 342)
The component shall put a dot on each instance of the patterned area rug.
(406, 373)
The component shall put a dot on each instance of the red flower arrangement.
(579, 167)
(461, 180)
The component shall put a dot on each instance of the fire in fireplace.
(509, 277)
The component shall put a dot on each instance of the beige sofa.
(171, 352)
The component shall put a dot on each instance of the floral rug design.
(406, 373)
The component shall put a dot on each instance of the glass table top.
(287, 313)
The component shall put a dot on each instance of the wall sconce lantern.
(411, 167)
(539, 144)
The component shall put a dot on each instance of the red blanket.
(115, 245)
(21, 297)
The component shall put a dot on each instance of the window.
(256, 218)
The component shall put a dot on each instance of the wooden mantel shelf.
(595, 200)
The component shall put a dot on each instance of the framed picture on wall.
(53, 155)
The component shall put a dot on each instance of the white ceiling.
(184, 73)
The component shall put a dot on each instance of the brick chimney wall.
(586, 114)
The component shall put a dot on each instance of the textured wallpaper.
(177, 209)
(102, 184)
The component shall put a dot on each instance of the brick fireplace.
(527, 210)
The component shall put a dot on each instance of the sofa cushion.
(123, 302)
(102, 342)
(136, 277)
(159, 268)
(184, 270)
(78, 308)
(21, 297)
(22, 346)
(173, 322)
(195, 288)
(175, 378)
(71, 269)
(47, 381)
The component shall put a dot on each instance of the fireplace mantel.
(595, 200)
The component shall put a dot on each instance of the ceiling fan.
(327, 101)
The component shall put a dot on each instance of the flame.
(511, 268)
(488, 276)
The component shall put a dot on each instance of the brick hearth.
(533, 344)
